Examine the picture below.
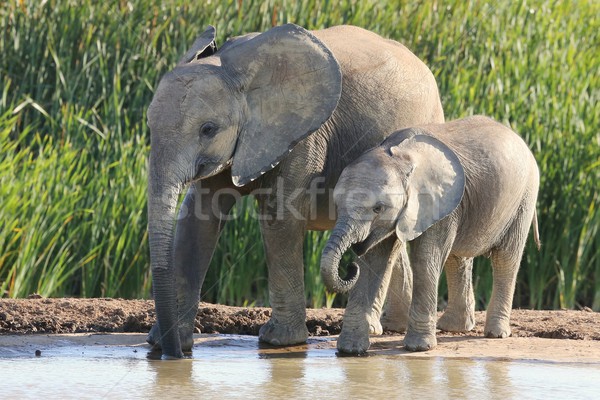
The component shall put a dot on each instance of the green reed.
(77, 77)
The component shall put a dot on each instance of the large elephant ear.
(435, 185)
(203, 46)
(291, 83)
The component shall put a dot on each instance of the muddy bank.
(65, 315)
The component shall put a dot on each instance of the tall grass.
(77, 78)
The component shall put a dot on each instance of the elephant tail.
(536, 231)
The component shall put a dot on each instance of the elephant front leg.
(366, 299)
(427, 257)
(395, 316)
(459, 316)
(283, 247)
(199, 223)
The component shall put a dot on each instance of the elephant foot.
(497, 329)
(456, 322)
(279, 334)
(153, 337)
(186, 336)
(419, 342)
(353, 343)
(375, 327)
(394, 324)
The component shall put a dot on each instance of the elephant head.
(242, 107)
(401, 187)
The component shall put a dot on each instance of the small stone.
(38, 353)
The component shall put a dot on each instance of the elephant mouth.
(361, 248)
(207, 168)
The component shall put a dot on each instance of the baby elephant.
(455, 191)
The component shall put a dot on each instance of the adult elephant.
(279, 113)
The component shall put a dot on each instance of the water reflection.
(169, 375)
(499, 376)
(457, 381)
(298, 372)
(286, 373)
(238, 367)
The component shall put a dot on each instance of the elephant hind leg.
(506, 258)
(459, 316)
(506, 266)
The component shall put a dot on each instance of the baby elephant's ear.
(435, 185)
(204, 46)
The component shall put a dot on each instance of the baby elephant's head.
(401, 187)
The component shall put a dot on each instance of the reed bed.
(77, 77)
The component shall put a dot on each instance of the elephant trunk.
(339, 242)
(162, 203)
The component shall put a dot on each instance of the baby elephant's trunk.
(337, 245)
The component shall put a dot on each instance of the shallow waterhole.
(233, 366)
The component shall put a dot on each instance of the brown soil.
(40, 315)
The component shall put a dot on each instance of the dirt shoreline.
(557, 335)
(69, 315)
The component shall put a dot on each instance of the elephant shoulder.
(341, 31)
(357, 49)
(356, 37)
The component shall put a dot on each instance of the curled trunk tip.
(330, 262)
(337, 284)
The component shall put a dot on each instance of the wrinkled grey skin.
(456, 191)
(280, 113)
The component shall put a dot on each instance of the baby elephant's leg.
(459, 316)
(363, 311)
(428, 254)
(395, 316)
(505, 267)
(506, 258)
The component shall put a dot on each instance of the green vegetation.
(77, 77)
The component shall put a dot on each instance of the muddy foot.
(187, 339)
(419, 342)
(499, 331)
(353, 343)
(375, 327)
(282, 335)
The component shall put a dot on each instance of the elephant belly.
(477, 237)
(470, 249)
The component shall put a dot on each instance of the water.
(101, 366)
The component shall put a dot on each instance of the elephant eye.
(208, 129)
(378, 208)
